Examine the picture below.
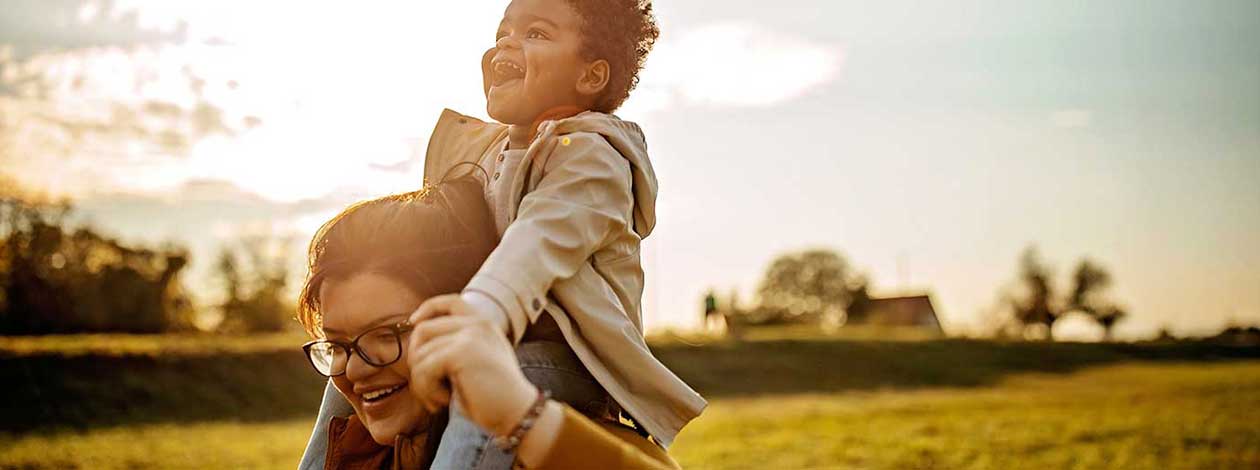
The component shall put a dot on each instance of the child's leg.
(549, 365)
(317, 448)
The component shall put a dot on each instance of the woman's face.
(351, 306)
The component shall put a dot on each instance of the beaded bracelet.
(510, 442)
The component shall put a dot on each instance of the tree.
(1034, 304)
(1107, 318)
(859, 300)
(807, 286)
(1090, 282)
(57, 280)
(255, 299)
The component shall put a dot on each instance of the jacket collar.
(351, 447)
(459, 138)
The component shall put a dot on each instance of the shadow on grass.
(49, 392)
(809, 366)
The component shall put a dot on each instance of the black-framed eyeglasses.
(378, 347)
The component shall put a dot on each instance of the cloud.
(1072, 118)
(36, 26)
(736, 64)
(215, 105)
(352, 105)
(207, 215)
(197, 201)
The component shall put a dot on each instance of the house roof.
(911, 310)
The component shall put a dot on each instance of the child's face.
(536, 64)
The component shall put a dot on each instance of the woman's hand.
(453, 347)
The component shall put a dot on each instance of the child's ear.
(594, 79)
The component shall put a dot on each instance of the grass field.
(775, 404)
(1171, 416)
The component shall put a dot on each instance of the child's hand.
(455, 304)
(454, 353)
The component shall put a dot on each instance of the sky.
(928, 142)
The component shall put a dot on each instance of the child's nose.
(507, 41)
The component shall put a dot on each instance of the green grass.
(47, 392)
(275, 444)
(1129, 416)
(119, 380)
(782, 400)
(800, 331)
(150, 345)
(1145, 416)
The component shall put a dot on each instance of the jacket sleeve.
(581, 202)
(584, 444)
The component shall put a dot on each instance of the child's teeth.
(511, 66)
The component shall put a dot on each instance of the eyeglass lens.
(377, 347)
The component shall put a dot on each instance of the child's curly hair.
(621, 32)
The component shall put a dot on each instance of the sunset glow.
(915, 141)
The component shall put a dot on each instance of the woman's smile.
(379, 400)
(380, 395)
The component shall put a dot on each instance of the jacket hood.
(460, 138)
(627, 139)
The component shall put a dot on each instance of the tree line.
(820, 286)
(57, 278)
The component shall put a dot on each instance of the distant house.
(906, 311)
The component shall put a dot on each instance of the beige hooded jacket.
(579, 205)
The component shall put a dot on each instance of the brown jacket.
(579, 204)
(351, 447)
(581, 444)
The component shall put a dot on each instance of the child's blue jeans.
(551, 366)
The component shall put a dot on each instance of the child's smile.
(536, 62)
(506, 72)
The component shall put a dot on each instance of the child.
(572, 193)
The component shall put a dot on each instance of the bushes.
(255, 300)
(57, 280)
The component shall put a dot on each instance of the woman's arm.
(463, 352)
(564, 438)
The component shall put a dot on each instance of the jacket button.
(501, 157)
(496, 175)
(537, 304)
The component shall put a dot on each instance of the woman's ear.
(594, 79)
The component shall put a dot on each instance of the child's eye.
(536, 34)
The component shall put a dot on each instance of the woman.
(370, 268)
